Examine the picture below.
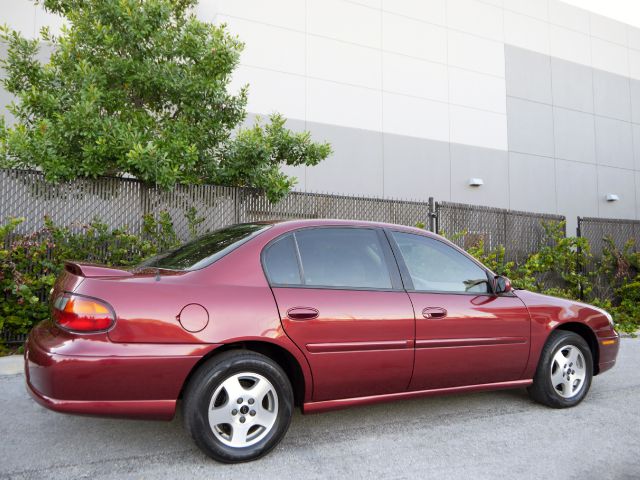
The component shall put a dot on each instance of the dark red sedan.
(248, 321)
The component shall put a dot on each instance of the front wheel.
(238, 406)
(564, 372)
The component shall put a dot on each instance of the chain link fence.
(601, 230)
(521, 233)
(121, 203)
(601, 233)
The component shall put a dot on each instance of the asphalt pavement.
(474, 436)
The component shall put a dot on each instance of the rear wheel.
(564, 372)
(238, 406)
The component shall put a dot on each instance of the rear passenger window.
(280, 262)
(342, 257)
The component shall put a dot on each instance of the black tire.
(203, 385)
(542, 390)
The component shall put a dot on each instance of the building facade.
(537, 100)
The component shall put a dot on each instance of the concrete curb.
(11, 365)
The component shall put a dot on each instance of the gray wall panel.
(611, 95)
(490, 165)
(532, 184)
(419, 168)
(622, 183)
(596, 145)
(574, 135)
(5, 99)
(572, 85)
(614, 145)
(355, 166)
(530, 127)
(577, 191)
(3, 55)
(528, 74)
(635, 100)
(636, 146)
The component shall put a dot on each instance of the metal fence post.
(431, 224)
(579, 265)
(505, 239)
(236, 205)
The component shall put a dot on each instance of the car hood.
(564, 310)
(525, 295)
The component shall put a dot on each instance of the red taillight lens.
(82, 314)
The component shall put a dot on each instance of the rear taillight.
(82, 314)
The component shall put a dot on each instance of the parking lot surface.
(473, 436)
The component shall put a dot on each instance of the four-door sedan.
(245, 322)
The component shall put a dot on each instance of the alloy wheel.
(568, 371)
(243, 409)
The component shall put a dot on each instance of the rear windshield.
(205, 250)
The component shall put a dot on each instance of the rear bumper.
(90, 375)
(141, 409)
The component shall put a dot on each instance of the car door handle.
(302, 313)
(434, 312)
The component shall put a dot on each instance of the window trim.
(395, 275)
(406, 275)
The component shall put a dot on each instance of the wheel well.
(585, 332)
(276, 353)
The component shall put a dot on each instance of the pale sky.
(627, 11)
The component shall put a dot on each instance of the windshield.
(205, 250)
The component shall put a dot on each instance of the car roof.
(322, 222)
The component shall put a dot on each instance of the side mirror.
(503, 284)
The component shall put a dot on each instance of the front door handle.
(434, 312)
(302, 313)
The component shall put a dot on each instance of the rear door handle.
(434, 312)
(302, 313)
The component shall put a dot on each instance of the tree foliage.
(140, 87)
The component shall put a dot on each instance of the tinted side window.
(436, 267)
(343, 257)
(206, 249)
(281, 263)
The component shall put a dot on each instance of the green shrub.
(626, 313)
(557, 269)
(26, 271)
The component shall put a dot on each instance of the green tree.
(140, 87)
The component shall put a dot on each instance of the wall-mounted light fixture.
(612, 197)
(476, 182)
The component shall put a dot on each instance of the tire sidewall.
(198, 403)
(560, 341)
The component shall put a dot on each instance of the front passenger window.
(434, 266)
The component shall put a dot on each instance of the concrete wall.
(538, 98)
